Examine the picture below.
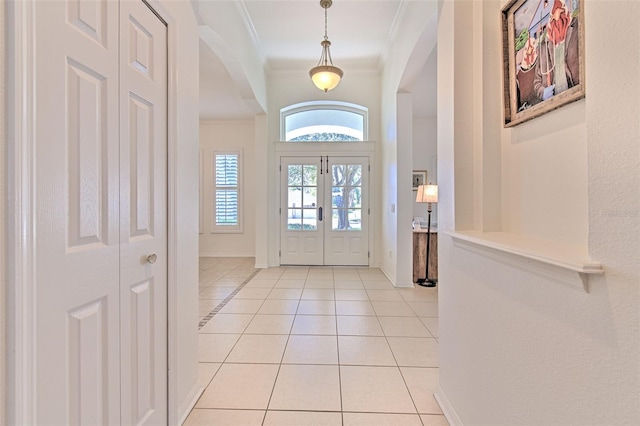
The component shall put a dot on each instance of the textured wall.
(516, 345)
(3, 186)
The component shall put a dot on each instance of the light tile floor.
(314, 346)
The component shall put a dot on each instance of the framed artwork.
(543, 52)
(419, 178)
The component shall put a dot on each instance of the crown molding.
(251, 30)
(393, 31)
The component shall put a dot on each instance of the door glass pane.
(338, 174)
(337, 197)
(310, 176)
(294, 219)
(294, 197)
(310, 197)
(295, 175)
(355, 198)
(354, 175)
(339, 220)
(355, 219)
(310, 220)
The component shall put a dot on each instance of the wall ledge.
(547, 257)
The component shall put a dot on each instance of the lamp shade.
(325, 77)
(427, 194)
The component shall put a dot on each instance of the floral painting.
(544, 60)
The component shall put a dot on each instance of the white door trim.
(20, 291)
(306, 149)
(174, 412)
(20, 39)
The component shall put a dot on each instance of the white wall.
(3, 224)
(229, 33)
(223, 135)
(397, 141)
(287, 88)
(261, 184)
(544, 176)
(517, 346)
(425, 134)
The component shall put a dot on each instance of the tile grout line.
(281, 363)
(222, 304)
(266, 410)
(335, 306)
(386, 338)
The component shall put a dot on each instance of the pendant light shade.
(325, 75)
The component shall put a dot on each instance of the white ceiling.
(289, 33)
(220, 99)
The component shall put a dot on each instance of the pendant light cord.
(325, 24)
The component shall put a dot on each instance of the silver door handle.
(152, 258)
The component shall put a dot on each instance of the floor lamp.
(427, 194)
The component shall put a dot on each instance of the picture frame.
(535, 34)
(419, 177)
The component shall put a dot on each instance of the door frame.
(332, 149)
(20, 239)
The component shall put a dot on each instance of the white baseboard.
(447, 409)
(393, 282)
(387, 275)
(222, 256)
(189, 403)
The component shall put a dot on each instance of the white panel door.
(77, 334)
(324, 211)
(100, 197)
(143, 215)
(301, 212)
(346, 232)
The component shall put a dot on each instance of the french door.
(101, 224)
(324, 210)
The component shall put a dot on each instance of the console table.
(420, 254)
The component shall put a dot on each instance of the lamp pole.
(427, 194)
(428, 282)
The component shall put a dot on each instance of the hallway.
(314, 345)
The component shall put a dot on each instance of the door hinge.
(368, 255)
(279, 253)
(369, 167)
(280, 167)
(368, 211)
(280, 210)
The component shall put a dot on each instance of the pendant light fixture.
(324, 75)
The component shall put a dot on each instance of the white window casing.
(227, 192)
(324, 121)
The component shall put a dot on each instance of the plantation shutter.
(227, 206)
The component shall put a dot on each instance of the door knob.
(152, 258)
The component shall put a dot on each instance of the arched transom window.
(323, 121)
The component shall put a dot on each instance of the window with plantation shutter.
(227, 206)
